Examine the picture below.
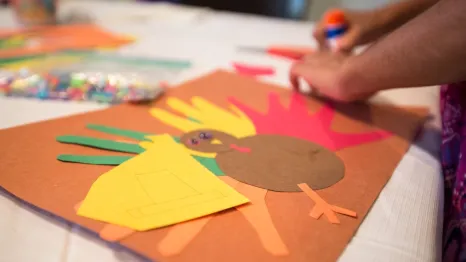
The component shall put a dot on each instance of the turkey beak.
(216, 142)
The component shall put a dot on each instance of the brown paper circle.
(279, 163)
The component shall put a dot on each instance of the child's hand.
(327, 73)
(364, 27)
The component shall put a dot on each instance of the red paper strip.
(253, 70)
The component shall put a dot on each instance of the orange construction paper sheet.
(275, 226)
(43, 39)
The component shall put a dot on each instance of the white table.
(405, 221)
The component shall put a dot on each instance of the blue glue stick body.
(336, 27)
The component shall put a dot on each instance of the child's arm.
(428, 50)
(368, 26)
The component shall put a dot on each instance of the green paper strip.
(101, 143)
(94, 160)
(119, 132)
(194, 120)
(211, 164)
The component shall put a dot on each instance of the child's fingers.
(319, 35)
(293, 77)
(349, 40)
(297, 71)
(319, 30)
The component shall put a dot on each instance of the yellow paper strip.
(160, 187)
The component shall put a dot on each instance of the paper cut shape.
(119, 146)
(258, 216)
(181, 235)
(94, 160)
(46, 39)
(253, 70)
(322, 207)
(119, 132)
(275, 162)
(297, 122)
(208, 115)
(101, 143)
(153, 190)
(114, 233)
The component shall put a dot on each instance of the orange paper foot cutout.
(76, 207)
(322, 207)
(181, 235)
(115, 233)
(258, 216)
(111, 232)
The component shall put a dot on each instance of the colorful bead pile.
(99, 87)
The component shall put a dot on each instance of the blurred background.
(290, 9)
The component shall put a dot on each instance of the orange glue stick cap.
(335, 17)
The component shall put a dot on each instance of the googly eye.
(205, 136)
(194, 141)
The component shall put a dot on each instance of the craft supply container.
(35, 12)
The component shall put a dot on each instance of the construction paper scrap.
(153, 190)
(210, 116)
(344, 211)
(115, 233)
(194, 120)
(43, 39)
(297, 122)
(259, 217)
(253, 70)
(101, 143)
(111, 233)
(181, 235)
(119, 132)
(322, 207)
(94, 160)
(207, 162)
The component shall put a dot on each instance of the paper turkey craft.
(254, 140)
(284, 150)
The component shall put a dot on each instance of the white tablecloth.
(405, 221)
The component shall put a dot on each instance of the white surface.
(404, 223)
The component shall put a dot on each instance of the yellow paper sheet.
(160, 187)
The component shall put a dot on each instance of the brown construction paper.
(272, 162)
(280, 163)
(31, 172)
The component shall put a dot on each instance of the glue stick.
(336, 27)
